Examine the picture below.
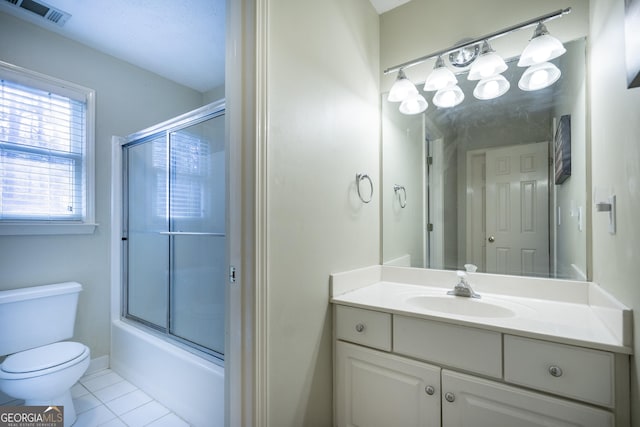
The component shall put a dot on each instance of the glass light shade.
(542, 48)
(402, 88)
(440, 77)
(448, 97)
(539, 76)
(414, 104)
(487, 64)
(491, 87)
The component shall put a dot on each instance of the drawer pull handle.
(555, 371)
(430, 390)
(359, 327)
(449, 397)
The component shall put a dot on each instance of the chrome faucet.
(462, 288)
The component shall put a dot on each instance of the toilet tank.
(37, 316)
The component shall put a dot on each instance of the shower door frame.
(200, 115)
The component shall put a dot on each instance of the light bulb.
(491, 87)
(488, 64)
(486, 72)
(414, 104)
(538, 79)
(539, 76)
(401, 89)
(440, 77)
(542, 47)
(541, 56)
(448, 97)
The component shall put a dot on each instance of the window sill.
(43, 229)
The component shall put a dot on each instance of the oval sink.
(462, 306)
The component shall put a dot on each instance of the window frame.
(85, 225)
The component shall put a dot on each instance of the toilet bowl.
(45, 375)
(41, 368)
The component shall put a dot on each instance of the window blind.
(42, 155)
(189, 161)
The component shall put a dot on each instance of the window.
(189, 166)
(46, 154)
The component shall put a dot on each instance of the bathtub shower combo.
(172, 263)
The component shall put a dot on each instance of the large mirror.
(476, 183)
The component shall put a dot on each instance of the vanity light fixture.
(539, 76)
(448, 97)
(542, 48)
(488, 64)
(486, 67)
(492, 87)
(463, 57)
(402, 88)
(440, 77)
(414, 104)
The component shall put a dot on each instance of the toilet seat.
(43, 360)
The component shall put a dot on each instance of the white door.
(517, 210)
(377, 389)
(476, 209)
(473, 402)
(435, 208)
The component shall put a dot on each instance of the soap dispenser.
(470, 268)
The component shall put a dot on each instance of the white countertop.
(583, 314)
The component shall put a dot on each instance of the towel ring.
(397, 188)
(360, 177)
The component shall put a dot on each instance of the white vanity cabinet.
(397, 370)
(377, 389)
(472, 401)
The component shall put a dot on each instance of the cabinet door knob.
(359, 327)
(449, 397)
(555, 371)
(491, 239)
(430, 390)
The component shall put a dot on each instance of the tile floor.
(104, 398)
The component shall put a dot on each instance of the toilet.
(41, 366)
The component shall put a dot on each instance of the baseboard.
(98, 364)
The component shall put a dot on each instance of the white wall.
(215, 94)
(323, 128)
(128, 99)
(616, 167)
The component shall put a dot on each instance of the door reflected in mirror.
(479, 181)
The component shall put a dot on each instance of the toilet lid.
(41, 358)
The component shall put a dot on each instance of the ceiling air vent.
(43, 10)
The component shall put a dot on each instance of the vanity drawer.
(471, 349)
(366, 327)
(575, 372)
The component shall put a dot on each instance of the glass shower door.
(175, 219)
(197, 226)
(147, 273)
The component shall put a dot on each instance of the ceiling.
(383, 6)
(181, 40)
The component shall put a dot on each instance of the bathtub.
(187, 384)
